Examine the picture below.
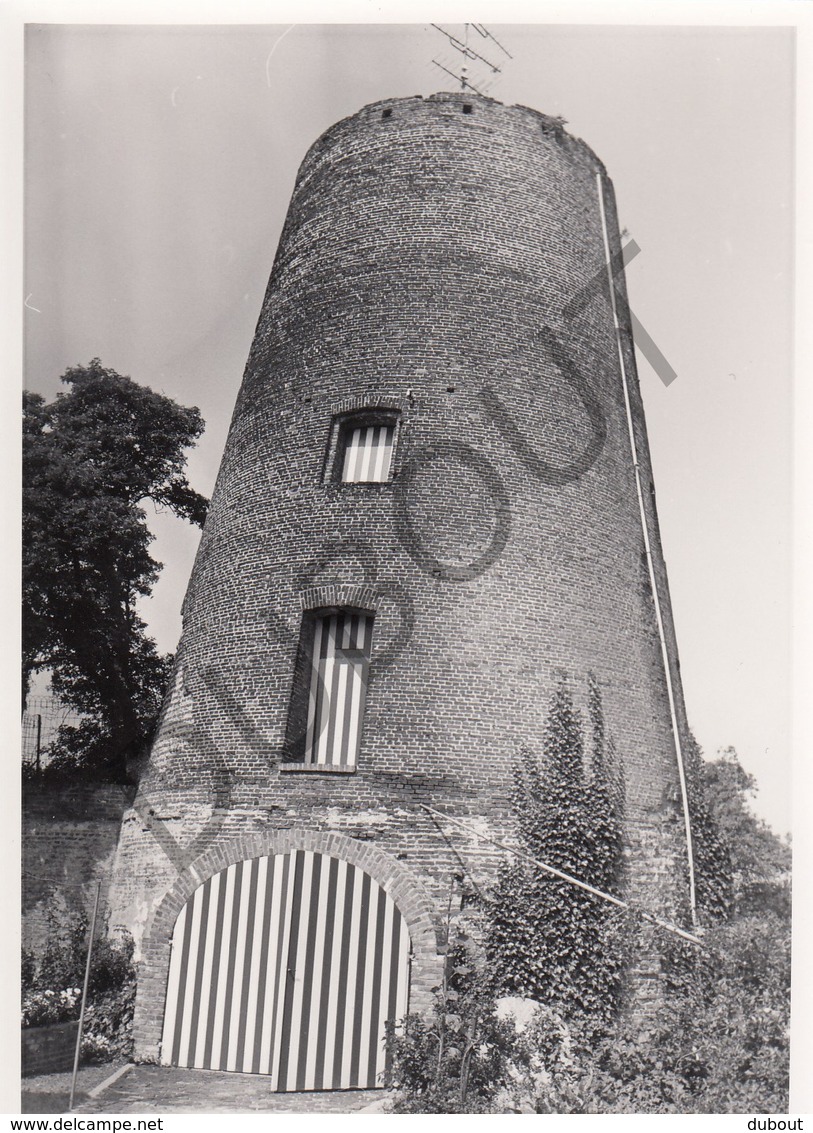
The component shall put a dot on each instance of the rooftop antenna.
(461, 72)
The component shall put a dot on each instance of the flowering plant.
(41, 1007)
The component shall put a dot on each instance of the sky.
(159, 162)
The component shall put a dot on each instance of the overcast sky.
(159, 164)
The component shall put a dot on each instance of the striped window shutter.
(368, 454)
(339, 664)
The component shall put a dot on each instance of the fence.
(42, 718)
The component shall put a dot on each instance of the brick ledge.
(330, 768)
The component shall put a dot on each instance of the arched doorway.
(288, 965)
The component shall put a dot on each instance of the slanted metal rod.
(446, 69)
(84, 995)
(486, 34)
(568, 877)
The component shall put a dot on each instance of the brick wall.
(69, 836)
(49, 1050)
(423, 255)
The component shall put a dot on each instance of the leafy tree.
(714, 875)
(91, 459)
(759, 860)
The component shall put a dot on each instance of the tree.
(714, 876)
(91, 458)
(759, 860)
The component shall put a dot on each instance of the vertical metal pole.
(84, 994)
(39, 737)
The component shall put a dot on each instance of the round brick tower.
(434, 506)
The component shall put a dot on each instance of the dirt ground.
(50, 1093)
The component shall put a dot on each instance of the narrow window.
(387, 113)
(467, 108)
(325, 728)
(364, 449)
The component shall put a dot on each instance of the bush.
(108, 1025)
(42, 1007)
(462, 1056)
(718, 1043)
(52, 986)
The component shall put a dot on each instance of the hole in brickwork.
(387, 113)
(467, 108)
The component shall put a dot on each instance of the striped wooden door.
(289, 966)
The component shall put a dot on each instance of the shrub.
(462, 1056)
(41, 1007)
(718, 1044)
(108, 1025)
(718, 1041)
(52, 986)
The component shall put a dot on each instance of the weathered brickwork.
(69, 838)
(423, 256)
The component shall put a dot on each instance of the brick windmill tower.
(435, 498)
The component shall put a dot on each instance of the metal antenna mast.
(461, 73)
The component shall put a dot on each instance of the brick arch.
(371, 400)
(360, 595)
(395, 879)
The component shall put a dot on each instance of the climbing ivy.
(548, 939)
(714, 879)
